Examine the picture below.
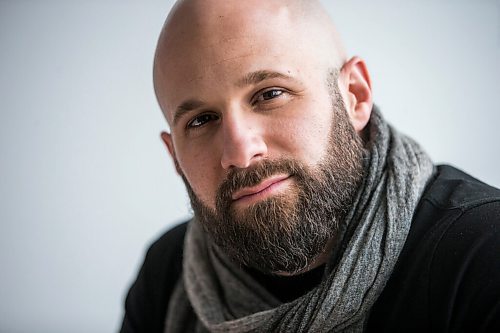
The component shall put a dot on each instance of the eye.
(269, 94)
(201, 120)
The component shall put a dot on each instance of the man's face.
(286, 232)
(251, 120)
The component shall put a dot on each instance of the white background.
(85, 182)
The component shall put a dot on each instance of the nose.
(244, 143)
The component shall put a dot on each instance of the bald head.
(242, 82)
(200, 36)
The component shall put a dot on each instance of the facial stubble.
(287, 232)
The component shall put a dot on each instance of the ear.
(167, 139)
(355, 85)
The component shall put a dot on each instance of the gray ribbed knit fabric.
(214, 295)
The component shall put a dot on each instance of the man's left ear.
(355, 86)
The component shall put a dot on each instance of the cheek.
(202, 173)
(305, 135)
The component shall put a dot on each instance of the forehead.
(217, 52)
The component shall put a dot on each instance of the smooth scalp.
(194, 25)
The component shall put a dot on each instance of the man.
(311, 214)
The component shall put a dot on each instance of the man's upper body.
(311, 213)
(447, 278)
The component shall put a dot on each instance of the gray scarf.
(215, 295)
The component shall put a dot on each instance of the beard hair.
(287, 232)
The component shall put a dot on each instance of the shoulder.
(147, 299)
(447, 278)
(163, 261)
(453, 188)
(456, 212)
(454, 204)
(464, 270)
(168, 246)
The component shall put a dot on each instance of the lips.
(265, 184)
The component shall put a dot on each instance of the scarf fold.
(215, 295)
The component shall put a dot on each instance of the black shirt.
(447, 278)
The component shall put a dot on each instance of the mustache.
(237, 179)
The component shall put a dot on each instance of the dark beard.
(289, 231)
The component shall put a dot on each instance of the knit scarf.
(215, 295)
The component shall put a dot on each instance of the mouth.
(262, 190)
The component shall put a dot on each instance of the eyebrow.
(262, 75)
(252, 78)
(186, 107)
